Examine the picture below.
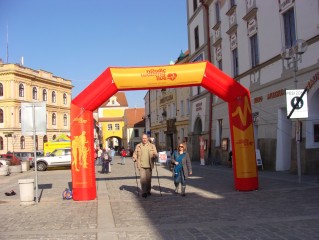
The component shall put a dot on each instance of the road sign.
(300, 104)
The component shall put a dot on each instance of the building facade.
(19, 84)
(134, 127)
(168, 112)
(111, 120)
(268, 47)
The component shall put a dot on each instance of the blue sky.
(78, 39)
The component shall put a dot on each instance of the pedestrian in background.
(230, 159)
(123, 155)
(99, 154)
(112, 152)
(182, 167)
(144, 155)
(105, 161)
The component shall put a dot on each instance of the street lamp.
(293, 55)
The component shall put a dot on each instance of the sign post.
(33, 123)
(297, 107)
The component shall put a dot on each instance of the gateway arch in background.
(192, 74)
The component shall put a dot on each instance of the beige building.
(268, 47)
(169, 113)
(20, 84)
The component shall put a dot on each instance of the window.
(21, 90)
(196, 36)
(232, 3)
(65, 99)
(109, 127)
(235, 62)
(254, 51)
(316, 133)
(45, 139)
(34, 93)
(220, 64)
(188, 106)
(65, 120)
(44, 95)
(194, 5)
(217, 12)
(219, 132)
(1, 90)
(198, 90)
(182, 133)
(20, 115)
(289, 25)
(53, 119)
(54, 137)
(36, 142)
(1, 116)
(1, 143)
(22, 142)
(136, 133)
(182, 108)
(117, 126)
(53, 97)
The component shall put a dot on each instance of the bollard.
(26, 187)
(4, 170)
(25, 165)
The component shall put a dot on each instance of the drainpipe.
(206, 7)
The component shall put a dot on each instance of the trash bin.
(4, 170)
(25, 166)
(26, 187)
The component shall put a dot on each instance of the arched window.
(53, 119)
(54, 137)
(53, 97)
(65, 99)
(36, 142)
(22, 142)
(1, 90)
(21, 90)
(34, 93)
(45, 139)
(1, 116)
(1, 143)
(20, 115)
(65, 120)
(44, 95)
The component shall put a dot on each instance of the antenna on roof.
(7, 43)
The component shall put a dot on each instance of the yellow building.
(111, 120)
(21, 84)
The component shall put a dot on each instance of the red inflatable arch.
(192, 74)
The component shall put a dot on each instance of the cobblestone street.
(281, 208)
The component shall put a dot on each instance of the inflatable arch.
(137, 78)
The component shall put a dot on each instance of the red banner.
(82, 148)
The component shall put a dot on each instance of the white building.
(251, 41)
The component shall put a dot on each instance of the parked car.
(13, 159)
(28, 156)
(58, 158)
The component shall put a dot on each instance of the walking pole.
(138, 192)
(158, 179)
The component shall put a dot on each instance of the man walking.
(144, 155)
